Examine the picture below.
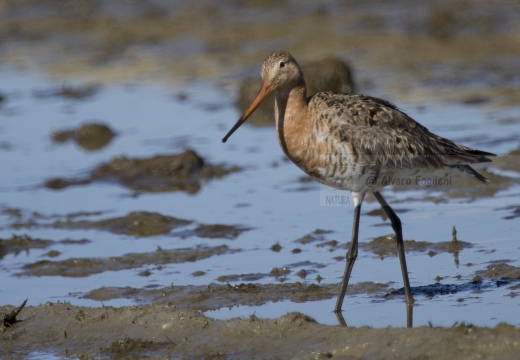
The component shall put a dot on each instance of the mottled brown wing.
(385, 137)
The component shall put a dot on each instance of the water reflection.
(409, 316)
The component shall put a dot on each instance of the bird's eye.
(282, 64)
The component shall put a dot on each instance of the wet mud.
(137, 223)
(251, 293)
(19, 243)
(218, 231)
(90, 137)
(384, 246)
(216, 296)
(163, 331)
(79, 267)
(23, 243)
(181, 172)
(500, 271)
(66, 91)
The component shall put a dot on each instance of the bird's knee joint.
(351, 255)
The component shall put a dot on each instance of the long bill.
(264, 92)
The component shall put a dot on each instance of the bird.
(357, 143)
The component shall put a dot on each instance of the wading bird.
(357, 143)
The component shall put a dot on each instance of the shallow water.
(267, 197)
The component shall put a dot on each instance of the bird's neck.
(291, 113)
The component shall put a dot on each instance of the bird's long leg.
(352, 252)
(396, 225)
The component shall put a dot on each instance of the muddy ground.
(462, 51)
(162, 332)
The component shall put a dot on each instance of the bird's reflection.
(409, 317)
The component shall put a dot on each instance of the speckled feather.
(378, 128)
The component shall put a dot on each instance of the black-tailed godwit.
(357, 143)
